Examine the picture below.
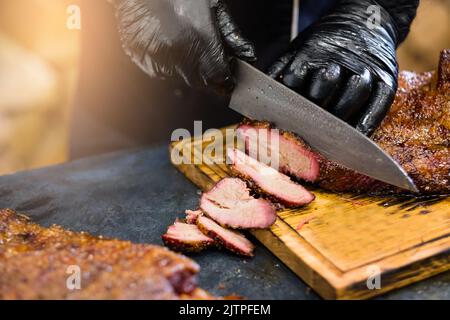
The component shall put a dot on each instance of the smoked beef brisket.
(415, 132)
(186, 237)
(230, 204)
(200, 233)
(267, 181)
(229, 239)
(35, 261)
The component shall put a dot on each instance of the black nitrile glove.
(185, 38)
(346, 62)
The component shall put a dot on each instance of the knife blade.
(260, 97)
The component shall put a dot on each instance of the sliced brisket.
(268, 181)
(201, 232)
(295, 157)
(186, 238)
(230, 204)
(192, 216)
(231, 240)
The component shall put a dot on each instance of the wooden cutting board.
(342, 245)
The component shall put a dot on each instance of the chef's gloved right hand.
(185, 38)
(346, 61)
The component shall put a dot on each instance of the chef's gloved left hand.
(346, 62)
(193, 40)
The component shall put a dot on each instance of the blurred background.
(38, 74)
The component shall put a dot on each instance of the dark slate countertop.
(135, 195)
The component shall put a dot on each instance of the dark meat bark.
(231, 240)
(34, 263)
(230, 204)
(268, 181)
(186, 238)
(415, 132)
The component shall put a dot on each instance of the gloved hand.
(185, 38)
(346, 61)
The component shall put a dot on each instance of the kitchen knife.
(259, 97)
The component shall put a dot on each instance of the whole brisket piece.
(267, 181)
(230, 204)
(186, 238)
(35, 263)
(415, 132)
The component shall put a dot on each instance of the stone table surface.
(134, 195)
